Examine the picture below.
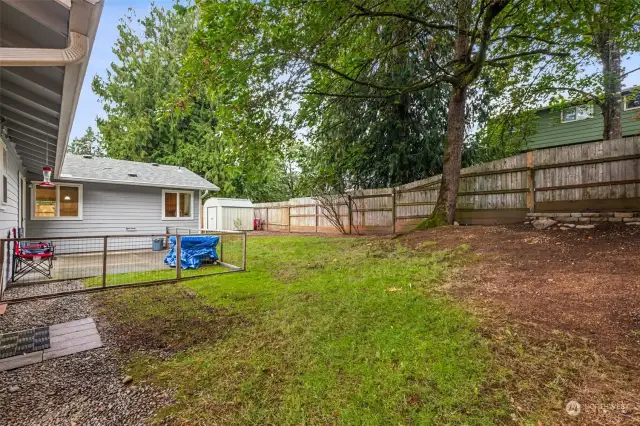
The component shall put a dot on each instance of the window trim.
(624, 103)
(80, 187)
(590, 106)
(178, 192)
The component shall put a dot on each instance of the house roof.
(228, 202)
(99, 169)
(45, 47)
(625, 92)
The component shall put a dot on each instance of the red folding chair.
(30, 256)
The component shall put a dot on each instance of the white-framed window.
(632, 101)
(61, 202)
(576, 113)
(177, 205)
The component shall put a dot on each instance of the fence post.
(393, 210)
(104, 262)
(316, 217)
(267, 218)
(221, 247)
(178, 258)
(349, 210)
(531, 183)
(289, 218)
(244, 251)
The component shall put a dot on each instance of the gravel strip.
(82, 389)
(40, 289)
(40, 313)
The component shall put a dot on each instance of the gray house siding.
(113, 209)
(9, 211)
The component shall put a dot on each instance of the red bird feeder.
(46, 175)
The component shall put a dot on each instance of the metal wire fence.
(44, 267)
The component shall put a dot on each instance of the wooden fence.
(597, 176)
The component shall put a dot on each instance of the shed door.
(212, 218)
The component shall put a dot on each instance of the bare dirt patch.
(562, 309)
(167, 319)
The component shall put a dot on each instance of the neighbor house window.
(62, 202)
(176, 204)
(576, 113)
(632, 101)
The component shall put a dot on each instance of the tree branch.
(529, 53)
(351, 79)
(629, 72)
(523, 37)
(342, 95)
(364, 12)
(588, 95)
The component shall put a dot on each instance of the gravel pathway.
(82, 389)
(40, 289)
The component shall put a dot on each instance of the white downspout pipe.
(74, 53)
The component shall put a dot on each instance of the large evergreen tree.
(88, 144)
(145, 120)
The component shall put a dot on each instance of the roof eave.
(84, 19)
(212, 187)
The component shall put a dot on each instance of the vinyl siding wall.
(9, 212)
(113, 210)
(551, 132)
(232, 215)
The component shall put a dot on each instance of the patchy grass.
(164, 319)
(147, 276)
(333, 331)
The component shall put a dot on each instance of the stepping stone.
(36, 345)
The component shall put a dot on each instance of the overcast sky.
(89, 107)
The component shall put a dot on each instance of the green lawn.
(157, 275)
(319, 331)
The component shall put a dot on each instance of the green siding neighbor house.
(581, 124)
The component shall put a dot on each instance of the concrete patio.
(85, 265)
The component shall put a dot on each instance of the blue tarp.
(193, 250)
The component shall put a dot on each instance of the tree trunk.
(445, 209)
(446, 205)
(612, 84)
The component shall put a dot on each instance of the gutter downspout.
(74, 53)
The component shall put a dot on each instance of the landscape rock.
(543, 224)
(456, 224)
(633, 223)
(127, 380)
(623, 214)
(13, 389)
(568, 219)
(585, 226)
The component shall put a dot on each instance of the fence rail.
(35, 267)
(596, 176)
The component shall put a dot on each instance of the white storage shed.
(228, 214)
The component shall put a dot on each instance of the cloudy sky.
(89, 107)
